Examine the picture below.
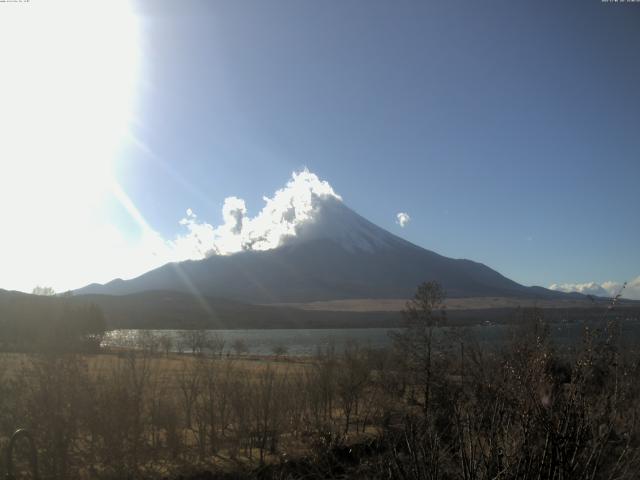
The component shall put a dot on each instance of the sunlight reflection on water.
(304, 342)
(299, 342)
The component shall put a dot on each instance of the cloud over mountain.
(278, 220)
(605, 289)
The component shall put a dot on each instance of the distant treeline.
(47, 323)
(177, 310)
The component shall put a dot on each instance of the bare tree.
(239, 346)
(189, 385)
(148, 342)
(45, 291)
(423, 315)
(194, 340)
(269, 409)
(214, 343)
(166, 343)
(353, 376)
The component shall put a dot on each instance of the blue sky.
(508, 131)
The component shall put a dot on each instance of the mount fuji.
(335, 254)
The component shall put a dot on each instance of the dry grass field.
(470, 303)
(155, 414)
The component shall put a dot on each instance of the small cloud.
(403, 219)
(189, 218)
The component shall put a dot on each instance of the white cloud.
(278, 220)
(403, 219)
(605, 289)
(589, 288)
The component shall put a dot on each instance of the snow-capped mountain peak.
(333, 220)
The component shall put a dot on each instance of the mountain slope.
(336, 255)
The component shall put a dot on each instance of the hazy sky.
(506, 132)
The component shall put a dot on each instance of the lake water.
(298, 342)
(302, 342)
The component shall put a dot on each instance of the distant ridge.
(179, 310)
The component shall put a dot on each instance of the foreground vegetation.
(431, 408)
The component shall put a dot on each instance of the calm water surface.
(301, 342)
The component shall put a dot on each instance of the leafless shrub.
(166, 343)
(279, 350)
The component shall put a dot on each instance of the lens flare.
(70, 69)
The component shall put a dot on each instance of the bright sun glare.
(69, 70)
